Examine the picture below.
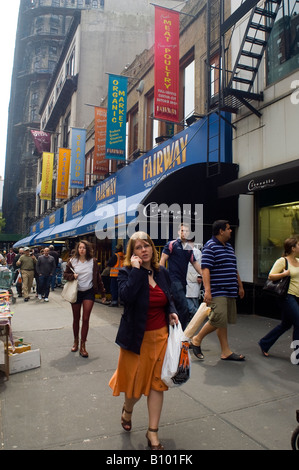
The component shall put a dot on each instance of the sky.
(7, 40)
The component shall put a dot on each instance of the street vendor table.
(5, 330)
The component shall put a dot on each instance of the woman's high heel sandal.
(153, 446)
(127, 425)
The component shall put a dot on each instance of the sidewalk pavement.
(66, 404)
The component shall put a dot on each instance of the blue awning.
(107, 212)
(44, 236)
(27, 241)
(65, 230)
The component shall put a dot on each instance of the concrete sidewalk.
(66, 404)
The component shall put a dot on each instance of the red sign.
(167, 38)
(42, 141)
(100, 164)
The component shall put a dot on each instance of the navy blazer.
(133, 287)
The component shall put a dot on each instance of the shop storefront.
(173, 177)
(276, 217)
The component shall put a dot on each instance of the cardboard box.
(24, 361)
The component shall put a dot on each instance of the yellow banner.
(63, 173)
(47, 176)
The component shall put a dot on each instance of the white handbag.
(70, 290)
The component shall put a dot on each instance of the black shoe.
(26, 300)
(113, 304)
(197, 351)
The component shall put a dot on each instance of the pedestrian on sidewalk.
(26, 263)
(144, 287)
(289, 305)
(89, 283)
(17, 272)
(115, 263)
(179, 253)
(45, 268)
(56, 258)
(222, 285)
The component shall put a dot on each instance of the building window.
(133, 131)
(66, 132)
(214, 75)
(151, 124)
(187, 86)
(70, 65)
(283, 45)
(189, 90)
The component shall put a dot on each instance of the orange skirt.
(137, 374)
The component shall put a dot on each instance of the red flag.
(167, 38)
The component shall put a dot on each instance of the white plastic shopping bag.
(172, 355)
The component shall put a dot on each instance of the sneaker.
(39, 297)
(46, 299)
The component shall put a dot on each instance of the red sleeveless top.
(156, 311)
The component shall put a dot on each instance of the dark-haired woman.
(290, 305)
(86, 270)
(144, 287)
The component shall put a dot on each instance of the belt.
(27, 269)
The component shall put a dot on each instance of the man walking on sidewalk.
(179, 253)
(26, 263)
(222, 286)
(45, 268)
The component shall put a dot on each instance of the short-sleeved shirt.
(179, 257)
(279, 267)
(85, 273)
(222, 263)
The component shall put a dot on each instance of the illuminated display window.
(276, 223)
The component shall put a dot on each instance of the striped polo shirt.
(221, 261)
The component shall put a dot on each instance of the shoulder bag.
(70, 290)
(278, 288)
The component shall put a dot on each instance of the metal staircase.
(237, 87)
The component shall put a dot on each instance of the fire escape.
(235, 85)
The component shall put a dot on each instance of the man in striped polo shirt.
(222, 286)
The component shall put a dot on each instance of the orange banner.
(47, 176)
(63, 173)
(167, 39)
(100, 163)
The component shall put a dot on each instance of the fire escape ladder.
(252, 48)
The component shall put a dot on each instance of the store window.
(276, 223)
(283, 45)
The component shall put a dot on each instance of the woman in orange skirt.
(144, 288)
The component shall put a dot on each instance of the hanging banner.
(42, 141)
(47, 176)
(100, 164)
(116, 117)
(167, 57)
(63, 173)
(78, 158)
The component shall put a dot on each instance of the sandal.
(197, 351)
(153, 446)
(127, 425)
(234, 357)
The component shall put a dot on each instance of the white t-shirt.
(85, 273)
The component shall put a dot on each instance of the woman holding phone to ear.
(144, 288)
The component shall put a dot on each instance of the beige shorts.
(224, 311)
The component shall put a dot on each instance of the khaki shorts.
(224, 311)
